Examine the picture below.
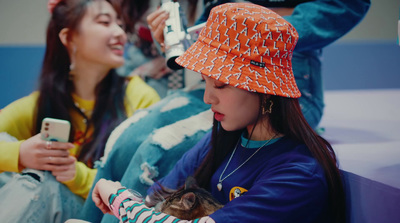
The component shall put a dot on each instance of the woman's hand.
(65, 172)
(102, 191)
(156, 21)
(39, 154)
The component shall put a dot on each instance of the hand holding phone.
(55, 130)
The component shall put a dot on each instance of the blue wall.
(364, 65)
(20, 68)
(349, 65)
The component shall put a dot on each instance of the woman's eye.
(220, 86)
(104, 22)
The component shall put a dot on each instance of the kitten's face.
(189, 203)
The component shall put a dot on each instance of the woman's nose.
(209, 97)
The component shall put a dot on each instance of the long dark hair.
(55, 87)
(286, 118)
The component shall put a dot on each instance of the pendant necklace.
(86, 112)
(219, 185)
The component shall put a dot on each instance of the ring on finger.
(48, 145)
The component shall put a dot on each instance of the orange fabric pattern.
(235, 48)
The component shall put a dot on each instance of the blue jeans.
(36, 196)
(155, 141)
(307, 72)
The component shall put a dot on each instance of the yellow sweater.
(17, 120)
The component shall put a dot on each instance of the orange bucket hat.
(247, 46)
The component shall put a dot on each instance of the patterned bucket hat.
(247, 46)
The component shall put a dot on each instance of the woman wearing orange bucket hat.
(261, 160)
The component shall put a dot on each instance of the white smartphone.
(55, 130)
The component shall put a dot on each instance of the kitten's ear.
(191, 183)
(188, 200)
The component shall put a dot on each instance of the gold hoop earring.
(269, 110)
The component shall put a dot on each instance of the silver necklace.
(219, 185)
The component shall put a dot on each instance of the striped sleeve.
(133, 210)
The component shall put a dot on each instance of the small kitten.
(189, 203)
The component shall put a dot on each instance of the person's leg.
(307, 72)
(180, 123)
(5, 177)
(36, 196)
(121, 147)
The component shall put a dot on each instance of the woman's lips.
(218, 116)
(118, 49)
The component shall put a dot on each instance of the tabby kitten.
(189, 203)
